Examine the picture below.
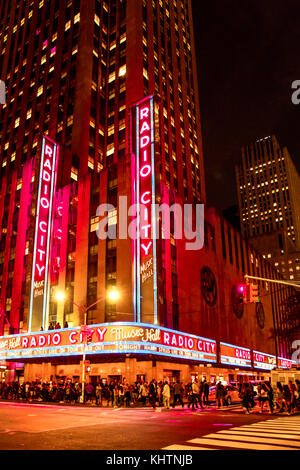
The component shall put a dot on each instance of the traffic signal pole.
(272, 280)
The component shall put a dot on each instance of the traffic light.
(88, 339)
(242, 293)
(254, 293)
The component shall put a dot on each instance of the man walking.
(178, 394)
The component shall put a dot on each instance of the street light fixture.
(112, 296)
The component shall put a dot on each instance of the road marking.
(261, 430)
(260, 434)
(259, 440)
(266, 435)
(184, 447)
(238, 445)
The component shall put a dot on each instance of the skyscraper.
(268, 187)
(73, 68)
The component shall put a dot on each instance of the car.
(232, 394)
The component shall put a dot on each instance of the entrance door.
(171, 376)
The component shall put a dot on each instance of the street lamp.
(112, 296)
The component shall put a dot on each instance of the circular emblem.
(237, 305)
(260, 315)
(208, 286)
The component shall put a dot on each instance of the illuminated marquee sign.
(264, 361)
(285, 363)
(235, 355)
(110, 338)
(143, 175)
(43, 228)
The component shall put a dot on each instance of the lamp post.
(112, 296)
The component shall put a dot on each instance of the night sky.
(248, 54)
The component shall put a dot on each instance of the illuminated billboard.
(143, 183)
(235, 355)
(264, 361)
(108, 338)
(39, 294)
(285, 363)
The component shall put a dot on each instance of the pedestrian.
(166, 395)
(270, 395)
(57, 326)
(143, 393)
(153, 393)
(263, 397)
(287, 398)
(66, 324)
(127, 396)
(89, 389)
(196, 393)
(116, 396)
(246, 395)
(292, 389)
(178, 389)
(205, 393)
(98, 394)
(51, 327)
(220, 394)
(279, 397)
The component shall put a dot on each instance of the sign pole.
(83, 362)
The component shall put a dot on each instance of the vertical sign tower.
(143, 184)
(40, 282)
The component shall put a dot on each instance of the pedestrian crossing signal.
(254, 293)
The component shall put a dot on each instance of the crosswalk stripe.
(261, 434)
(261, 430)
(183, 447)
(279, 426)
(260, 440)
(238, 445)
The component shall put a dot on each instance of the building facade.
(114, 84)
(269, 201)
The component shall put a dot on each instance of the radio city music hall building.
(102, 103)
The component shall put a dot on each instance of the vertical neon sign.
(145, 263)
(39, 294)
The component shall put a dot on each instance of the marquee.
(109, 338)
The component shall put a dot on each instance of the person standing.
(166, 395)
(144, 393)
(178, 394)
(220, 394)
(153, 393)
(98, 394)
(205, 393)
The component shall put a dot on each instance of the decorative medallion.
(208, 286)
(260, 315)
(237, 305)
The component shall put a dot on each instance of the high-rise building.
(268, 187)
(107, 91)
(73, 68)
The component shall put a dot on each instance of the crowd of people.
(117, 394)
(286, 397)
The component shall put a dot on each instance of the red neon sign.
(43, 230)
(145, 287)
